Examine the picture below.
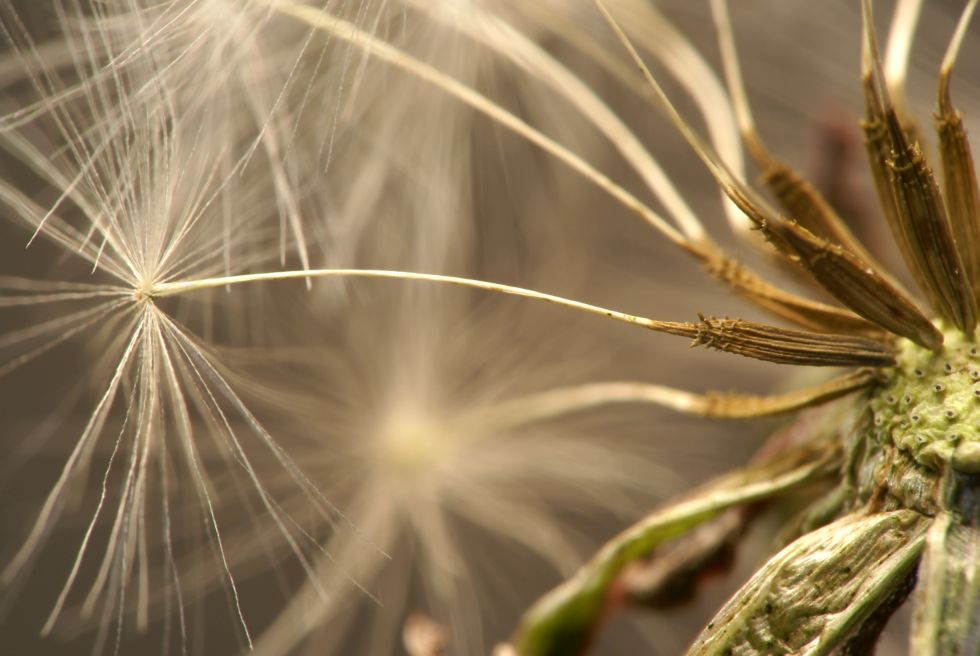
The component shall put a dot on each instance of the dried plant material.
(920, 219)
(895, 64)
(781, 345)
(959, 175)
(717, 405)
(807, 207)
(877, 147)
(926, 227)
(855, 284)
(741, 406)
(801, 201)
(801, 311)
(841, 273)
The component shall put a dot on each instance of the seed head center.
(930, 405)
(144, 292)
(413, 449)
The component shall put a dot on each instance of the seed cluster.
(930, 405)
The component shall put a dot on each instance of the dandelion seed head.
(413, 449)
(135, 197)
(446, 454)
(166, 180)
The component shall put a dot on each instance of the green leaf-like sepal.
(818, 590)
